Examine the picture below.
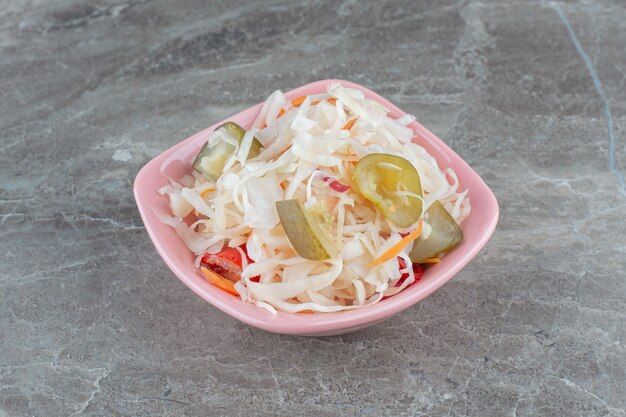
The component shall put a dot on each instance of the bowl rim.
(311, 324)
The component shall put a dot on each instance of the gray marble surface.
(532, 94)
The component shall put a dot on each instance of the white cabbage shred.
(304, 146)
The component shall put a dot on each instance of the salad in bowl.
(323, 203)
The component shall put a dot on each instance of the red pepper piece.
(227, 263)
(336, 185)
(418, 272)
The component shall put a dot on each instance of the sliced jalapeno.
(393, 185)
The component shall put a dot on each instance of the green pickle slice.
(211, 159)
(238, 132)
(307, 230)
(444, 236)
(379, 176)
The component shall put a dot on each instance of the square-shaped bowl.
(176, 162)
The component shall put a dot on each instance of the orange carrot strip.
(205, 192)
(298, 101)
(349, 125)
(306, 312)
(219, 281)
(330, 100)
(397, 248)
(280, 113)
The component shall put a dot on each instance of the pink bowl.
(176, 162)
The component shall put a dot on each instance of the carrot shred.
(397, 248)
(349, 125)
(280, 113)
(306, 311)
(219, 281)
(298, 101)
(431, 261)
(205, 192)
(330, 100)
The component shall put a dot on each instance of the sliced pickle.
(307, 230)
(379, 176)
(237, 132)
(211, 159)
(444, 236)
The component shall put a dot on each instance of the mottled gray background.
(530, 93)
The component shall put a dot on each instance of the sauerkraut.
(309, 150)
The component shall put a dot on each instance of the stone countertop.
(531, 94)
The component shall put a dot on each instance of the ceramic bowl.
(176, 162)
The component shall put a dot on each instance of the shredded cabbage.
(303, 145)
